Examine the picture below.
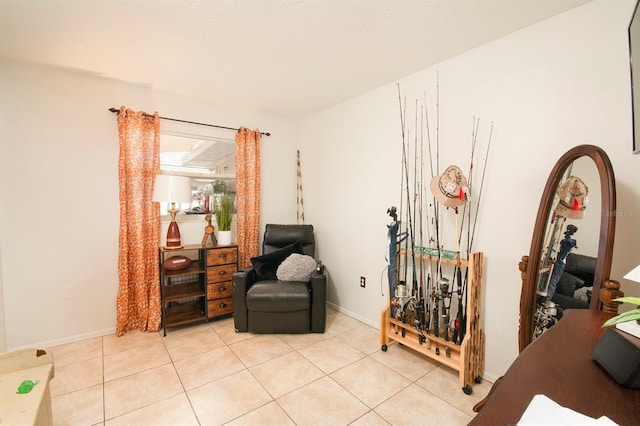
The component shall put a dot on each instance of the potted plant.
(631, 315)
(224, 216)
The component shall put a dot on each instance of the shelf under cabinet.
(193, 269)
(184, 314)
(181, 291)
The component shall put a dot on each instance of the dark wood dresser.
(559, 365)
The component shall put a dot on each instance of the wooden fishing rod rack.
(468, 357)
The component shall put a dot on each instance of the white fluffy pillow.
(296, 267)
(581, 294)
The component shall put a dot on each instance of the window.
(206, 159)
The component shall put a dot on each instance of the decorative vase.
(224, 237)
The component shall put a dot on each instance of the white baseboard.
(354, 316)
(65, 340)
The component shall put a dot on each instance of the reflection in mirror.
(572, 243)
(568, 255)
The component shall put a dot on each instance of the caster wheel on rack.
(384, 348)
(467, 390)
(478, 379)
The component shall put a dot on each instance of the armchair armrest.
(242, 282)
(318, 301)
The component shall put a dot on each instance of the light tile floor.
(208, 374)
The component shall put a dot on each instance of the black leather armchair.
(578, 272)
(273, 306)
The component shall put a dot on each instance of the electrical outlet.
(363, 282)
(69, 292)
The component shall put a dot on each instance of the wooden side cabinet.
(202, 291)
(183, 292)
(222, 262)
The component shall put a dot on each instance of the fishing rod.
(437, 121)
(443, 283)
(484, 170)
(463, 325)
(409, 219)
(403, 168)
(436, 277)
(461, 285)
(422, 298)
(457, 325)
(408, 214)
(415, 289)
(429, 289)
(456, 272)
(445, 290)
(421, 321)
(414, 282)
(474, 134)
(403, 295)
(392, 271)
(435, 203)
(421, 186)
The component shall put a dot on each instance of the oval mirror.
(547, 225)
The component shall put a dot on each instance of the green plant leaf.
(632, 300)
(631, 315)
(224, 213)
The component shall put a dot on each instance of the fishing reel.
(443, 288)
(571, 229)
(391, 211)
(546, 317)
(402, 301)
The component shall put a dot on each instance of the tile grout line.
(292, 349)
(184, 389)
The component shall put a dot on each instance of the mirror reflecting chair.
(263, 303)
(604, 290)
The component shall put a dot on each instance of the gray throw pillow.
(296, 267)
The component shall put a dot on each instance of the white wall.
(60, 216)
(547, 88)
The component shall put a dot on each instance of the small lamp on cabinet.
(172, 189)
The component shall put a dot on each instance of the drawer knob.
(222, 255)
(221, 289)
(223, 305)
(222, 272)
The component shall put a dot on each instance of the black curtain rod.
(117, 111)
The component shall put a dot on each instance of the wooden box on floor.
(34, 407)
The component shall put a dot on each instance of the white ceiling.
(287, 57)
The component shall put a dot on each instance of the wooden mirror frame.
(605, 245)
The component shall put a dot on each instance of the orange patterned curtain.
(138, 302)
(248, 194)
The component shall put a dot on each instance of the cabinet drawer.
(222, 255)
(216, 274)
(219, 290)
(220, 307)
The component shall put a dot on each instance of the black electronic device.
(619, 356)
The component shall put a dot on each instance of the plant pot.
(224, 237)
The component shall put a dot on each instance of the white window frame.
(198, 176)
